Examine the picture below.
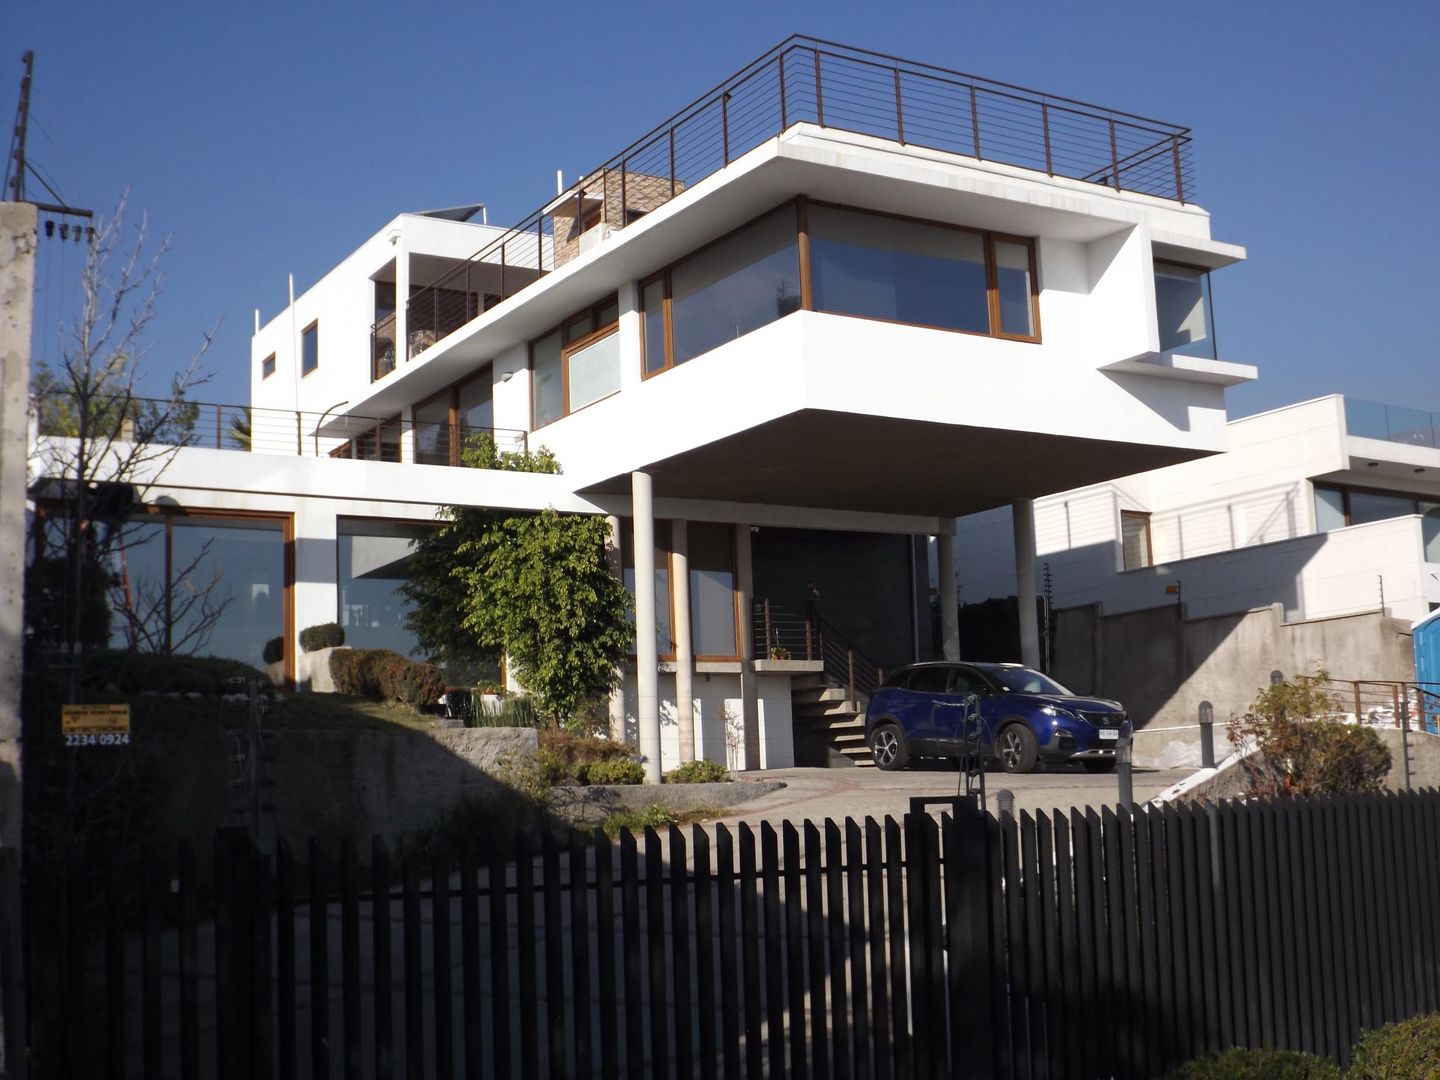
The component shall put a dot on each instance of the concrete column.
(17, 293)
(317, 589)
(632, 335)
(949, 604)
(749, 686)
(613, 556)
(684, 648)
(647, 680)
(1022, 512)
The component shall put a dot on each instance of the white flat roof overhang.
(824, 164)
(880, 464)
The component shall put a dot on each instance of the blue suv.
(1024, 716)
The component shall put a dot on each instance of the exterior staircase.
(829, 727)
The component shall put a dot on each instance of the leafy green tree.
(537, 586)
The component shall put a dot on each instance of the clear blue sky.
(265, 138)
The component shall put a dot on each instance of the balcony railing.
(382, 347)
(806, 80)
(266, 431)
(1392, 423)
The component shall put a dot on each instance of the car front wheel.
(887, 747)
(1016, 748)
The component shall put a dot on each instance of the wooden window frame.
(267, 367)
(1149, 540)
(452, 411)
(802, 203)
(597, 332)
(734, 596)
(315, 326)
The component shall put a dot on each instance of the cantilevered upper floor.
(837, 279)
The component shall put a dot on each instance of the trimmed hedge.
(322, 636)
(133, 673)
(385, 675)
(697, 772)
(1407, 1048)
(612, 772)
(1266, 1063)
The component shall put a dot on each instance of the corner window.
(738, 284)
(576, 364)
(1135, 539)
(1337, 506)
(267, 366)
(712, 591)
(445, 423)
(310, 348)
(1182, 310)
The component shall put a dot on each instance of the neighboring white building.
(1328, 507)
(820, 313)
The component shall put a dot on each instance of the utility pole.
(22, 127)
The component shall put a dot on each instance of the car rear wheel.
(887, 746)
(1017, 750)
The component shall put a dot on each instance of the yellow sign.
(95, 719)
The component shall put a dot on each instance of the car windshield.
(1024, 680)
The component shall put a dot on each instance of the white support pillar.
(647, 679)
(745, 598)
(684, 648)
(614, 557)
(316, 596)
(949, 604)
(1022, 512)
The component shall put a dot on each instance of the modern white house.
(782, 339)
(1327, 507)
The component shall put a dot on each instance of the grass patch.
(656, 817)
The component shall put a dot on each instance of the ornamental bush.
(622, 771)
(274, 650)
(322, 636)
(697, 772)
(384, 675)
(1266, 1063)
(1407, 1048)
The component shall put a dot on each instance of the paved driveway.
(817, 794)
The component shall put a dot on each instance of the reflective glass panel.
(432, 431)
(739, 284)
(476, 406)
(594, 371)
(1368, 506)
(1182, 309)
(227, 591)
(712, 589)
(310, 349)
(137, 591)
(374, 561)
(545, 386)
(652, 298)
(1430, 530)
(1012, 276)
(904, 271)
(1329, 509)
(1135, 538)
(664, 641)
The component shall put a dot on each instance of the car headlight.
(1051, 710)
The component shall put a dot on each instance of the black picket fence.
(950, 944)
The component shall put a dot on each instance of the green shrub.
(634, 821)
(322, 636)
(1267, 1063)
(1407, 1048)
(621, 771)
(137, 672)
(274, 650)
(697, 772)
(384, 675)
(518, 711)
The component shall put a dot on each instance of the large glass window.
(201, 585)
(664, 638)
(1015, 287)
(1430, 530)
(1337, 506)
(374, 561)
(1367, 506)
(904, 271)
(432, 431)
(444, 422)
(577, 364)
(1329, 509)
(1182, 309)
(712, 590)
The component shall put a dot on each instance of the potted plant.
(779, 652)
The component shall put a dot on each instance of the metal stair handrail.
(786, 634)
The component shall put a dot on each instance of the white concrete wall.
(719, 732)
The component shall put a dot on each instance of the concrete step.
(825, 710)
(818, 693)
(860, 755)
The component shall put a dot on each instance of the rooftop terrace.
(807, 80)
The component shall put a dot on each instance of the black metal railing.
(268, 431)
(1103, 942)
(808, 80)
(382, 347)
(784, 634)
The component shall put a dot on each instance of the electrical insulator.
(64, 231)
(50, 228)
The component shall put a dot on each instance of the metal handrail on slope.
(789, 635)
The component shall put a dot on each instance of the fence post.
(819, 94)
(217, 428)
(1207, 735)
(899, 109)
(850, 661)
(768, 640)
(1356, 686)
(725, 124)
(1179, 180)
(975, 122)
(784, 113)
(1395, 707)
(809, 640)
(1045, 125)
(1114, 158)
(299, 435)
(1126, 780)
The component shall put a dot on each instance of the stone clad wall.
(641, 194)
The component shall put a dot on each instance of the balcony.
(1392, 423)
(806, 80)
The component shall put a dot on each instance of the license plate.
(1109, 733)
